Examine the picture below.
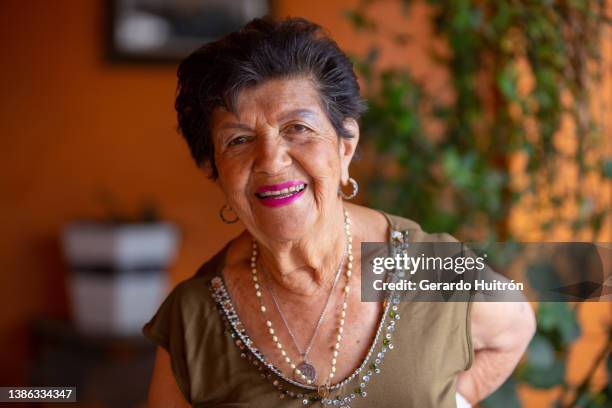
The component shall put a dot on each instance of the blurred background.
(489, 120)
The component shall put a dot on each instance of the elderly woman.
(275, 318)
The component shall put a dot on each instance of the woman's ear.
(348, 147)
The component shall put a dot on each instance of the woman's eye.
(237, 140)
(297, 128)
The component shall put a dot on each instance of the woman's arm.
(163, 390)
(500, 335)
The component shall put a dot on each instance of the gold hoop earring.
(353, 193)
(222, 216)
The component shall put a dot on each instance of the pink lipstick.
(277, 195)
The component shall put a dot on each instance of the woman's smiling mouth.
(278, 195)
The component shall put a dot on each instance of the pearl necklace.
(323, 389)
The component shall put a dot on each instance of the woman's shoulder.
(399, 223)
(413, 230)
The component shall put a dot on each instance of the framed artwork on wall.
(168, 30)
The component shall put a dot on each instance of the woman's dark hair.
(263, 49)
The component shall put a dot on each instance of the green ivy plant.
(462, 176)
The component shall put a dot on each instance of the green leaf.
(360, 20)
(569, 328)
(543, 278)
(505, 396)
(459, 168)
(607, 168)
(559, 322)
(547, 316)
(544, 378)
(507, 83)
(609, 367)
(541, 353)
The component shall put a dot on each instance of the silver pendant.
(308, 370)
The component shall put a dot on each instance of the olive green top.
(213, 366)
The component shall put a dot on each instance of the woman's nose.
(272, 156)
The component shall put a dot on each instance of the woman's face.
(279, 159)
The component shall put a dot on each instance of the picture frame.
(166, 31)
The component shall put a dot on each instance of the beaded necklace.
(308, 394)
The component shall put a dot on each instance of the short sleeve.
(166, 329)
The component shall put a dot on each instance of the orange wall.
(73, 124)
